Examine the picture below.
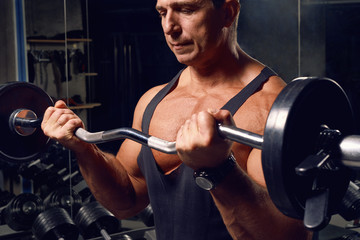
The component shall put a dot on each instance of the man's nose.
(171, 23)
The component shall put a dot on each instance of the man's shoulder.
(150, 94)
(274, 85)
(143, 102)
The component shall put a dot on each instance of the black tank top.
(182, 210)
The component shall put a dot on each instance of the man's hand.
(60, 123)
(198, 142)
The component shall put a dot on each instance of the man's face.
(192, 29)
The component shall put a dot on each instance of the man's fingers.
(60, 104)
(222, 116)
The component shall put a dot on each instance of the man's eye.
(162, 14)
(187, 10)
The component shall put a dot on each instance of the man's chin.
(186, 60)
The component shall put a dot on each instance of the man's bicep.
(127, 155)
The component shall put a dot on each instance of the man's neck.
(226, 68)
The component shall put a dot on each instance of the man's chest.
(171, 114)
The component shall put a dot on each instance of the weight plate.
(93, 217)
(22, 210)
(17, 95)
(291, 133)
(54, 223)
(64, 198)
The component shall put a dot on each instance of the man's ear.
(231, 9)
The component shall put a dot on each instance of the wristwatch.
(209, 178)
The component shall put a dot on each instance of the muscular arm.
(116, 185)
(115, 181)
(248, 211)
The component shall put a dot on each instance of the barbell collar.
(24, 122)
(30, 123)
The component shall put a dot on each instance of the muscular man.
(218, 79)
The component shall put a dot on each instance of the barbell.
(308, 146)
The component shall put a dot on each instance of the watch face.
(204, 183)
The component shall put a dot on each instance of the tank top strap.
(232, 105)
(238, 100)
(149, 111)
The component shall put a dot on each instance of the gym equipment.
(350, 204)
(22, 210)
(147, 216)
(15, 96)
(94, 220)
(54, 224)
(303, 150)
(5, 197)
(64, 198)
(46, 177)
(125, 237)
(30, 170)
(306, 145)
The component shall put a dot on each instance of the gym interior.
(101, 56)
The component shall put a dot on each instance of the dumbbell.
(65, 198)
(22, 210)
(94, 220)
(54, 224)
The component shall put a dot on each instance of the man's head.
(198, 30)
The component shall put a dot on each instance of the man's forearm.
(249, 213)
(107, 180)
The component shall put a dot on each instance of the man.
(231, 201)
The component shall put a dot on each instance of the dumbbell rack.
(139, 232)
(38, 171)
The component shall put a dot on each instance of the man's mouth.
(180, 45)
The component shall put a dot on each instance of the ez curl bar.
(25, 122)
(308, 146)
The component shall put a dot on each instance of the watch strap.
(214, 176)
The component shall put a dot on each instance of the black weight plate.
(54, 223)
(13, 96)
(93, 217)
(291, 133)
(64, 198)
(22, 210)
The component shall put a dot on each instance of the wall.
(268, 31)
(46, 18)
